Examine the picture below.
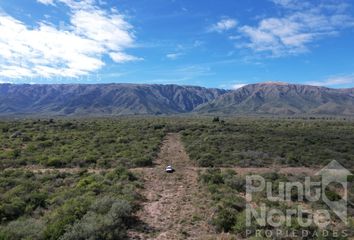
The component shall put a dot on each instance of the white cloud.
(198, 43)
(301, 25)
(235, 37)
(47, 51)
(3, 82)
(223, 25)
(237, 86)
(334, 81)
(292, 4)
(174, 56)
(120, 57)
(46, 2)
(112, 32)
(77, 5)
(15, 71)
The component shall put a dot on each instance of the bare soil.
(175, 206)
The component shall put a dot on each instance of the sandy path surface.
(174, 206)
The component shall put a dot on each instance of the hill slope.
(102, 99)
(133, 99)
(282, 98)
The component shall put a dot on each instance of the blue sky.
(223, 44)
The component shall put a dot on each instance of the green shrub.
(225, 218)
(65, 216)
(26, 229)
(107, 219)
(12, 210)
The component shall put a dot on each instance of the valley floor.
(48, 169)
(175, 206)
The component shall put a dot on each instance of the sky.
(221, 44)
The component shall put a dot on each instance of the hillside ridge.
(282, 99)
(102, 99)
(115, 99)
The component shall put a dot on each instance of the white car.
(169, 169)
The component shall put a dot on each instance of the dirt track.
(174, 206)
(238, 170)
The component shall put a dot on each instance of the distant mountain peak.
(276, 98)
(102, 99)
(273, 83)
(282, 98)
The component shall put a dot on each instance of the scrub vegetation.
(79, 143)
(249, 142)
(66, 206)
(102, 198)
(228, 191)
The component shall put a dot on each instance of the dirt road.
(174, 206)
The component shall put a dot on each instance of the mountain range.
(102, 99)
(144, 99)
(283, 99)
